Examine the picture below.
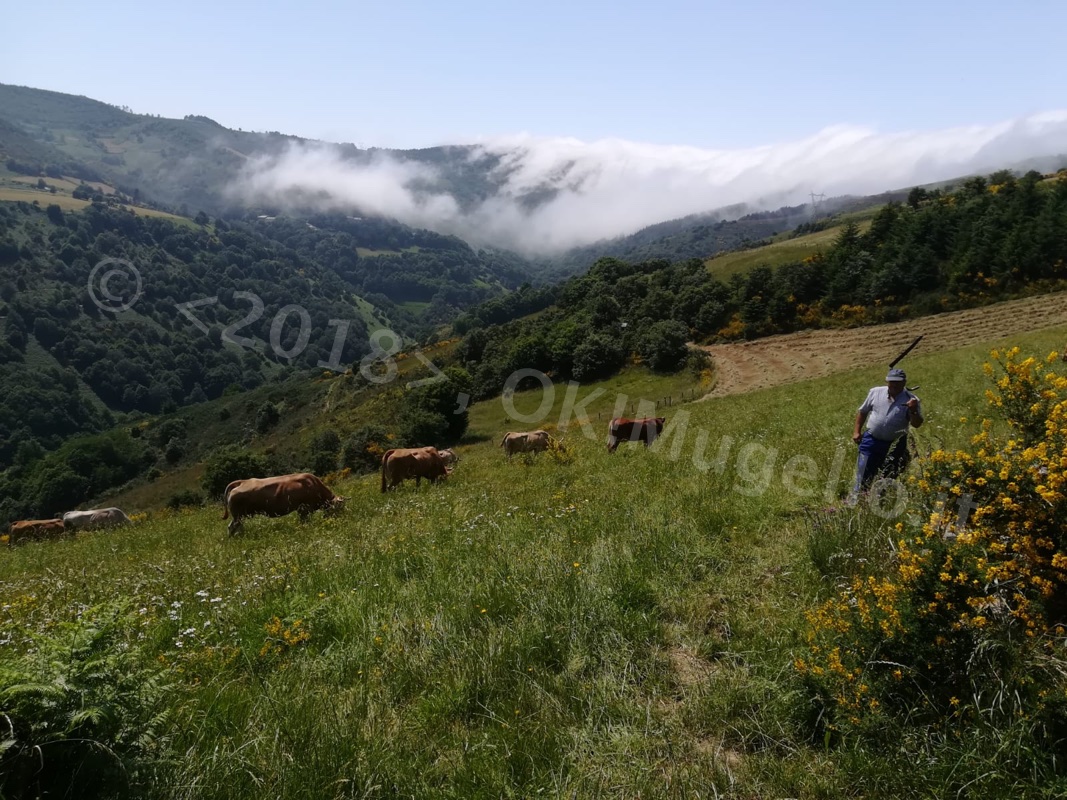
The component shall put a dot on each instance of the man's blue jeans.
(889, 458)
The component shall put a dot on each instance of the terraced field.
(747, 366)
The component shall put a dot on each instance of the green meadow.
(783, 249)
(576, 624)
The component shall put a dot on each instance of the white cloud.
(613, 187)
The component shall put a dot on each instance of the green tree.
(597, 357)
(362, 451)
(323, 452)
(230, 464)
(663, 346)
(442, 403)
(267, 417)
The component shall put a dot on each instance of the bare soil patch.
(788, 358)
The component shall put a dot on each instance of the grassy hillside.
(16, 193)
(343, 404)
(620, 625)
(783, 249)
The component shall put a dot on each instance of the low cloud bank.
(555, 193)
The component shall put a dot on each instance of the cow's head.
(659, 423)
(336, 504)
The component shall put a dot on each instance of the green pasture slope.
(783, 249)
(617, 626)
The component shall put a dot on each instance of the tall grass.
(623, 625)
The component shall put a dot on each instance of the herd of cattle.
(305, 493)
(93, 519)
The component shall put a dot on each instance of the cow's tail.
(503, 440)
(226, 498)
(385, 460)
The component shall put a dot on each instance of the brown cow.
(36, 529)
(530, 442)
(644, 430)
(301, 492)
(403, 464)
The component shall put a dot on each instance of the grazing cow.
(301, 492)
(403, 464)
(530, 442)
(36, 529)
(96, 518)
(644, 430)
(451, 459)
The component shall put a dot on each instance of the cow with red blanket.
(644, 430)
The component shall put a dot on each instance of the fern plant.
(82, 711)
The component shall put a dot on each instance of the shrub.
(323, 451)
(267, 417)
(966, 623)
(363, 450)
(231, 464)
(440, 400)
(597, 357)
(663, 346)
(419, 427)
(186, 497)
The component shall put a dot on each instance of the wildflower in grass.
(282, 637)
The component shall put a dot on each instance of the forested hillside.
(991, 239)
(289, 295)
(190, 165)
(697, 236)
(193, 161)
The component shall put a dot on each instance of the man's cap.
(896, 375)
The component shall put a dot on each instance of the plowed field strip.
(747, 366)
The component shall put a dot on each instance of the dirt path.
(747, 366)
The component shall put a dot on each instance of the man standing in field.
(888, 412)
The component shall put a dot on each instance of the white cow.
(529, 442)
(96, 518)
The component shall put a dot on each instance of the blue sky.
(408, 74)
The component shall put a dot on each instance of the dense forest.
(992, 238)
(284, 290)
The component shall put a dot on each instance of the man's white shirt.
(887, 418)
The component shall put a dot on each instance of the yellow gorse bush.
(975, 601)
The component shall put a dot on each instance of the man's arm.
(857, 433)
(915, 416)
